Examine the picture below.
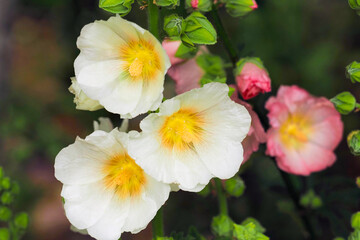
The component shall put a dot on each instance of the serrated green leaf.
(222, 226)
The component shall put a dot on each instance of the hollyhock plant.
(185, 72)
(256, 134)
(252, 77)
(195, 136)
(122, 66)
(105, 191)
(304, 131)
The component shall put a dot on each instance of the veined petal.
(85, 204)
(111, 224)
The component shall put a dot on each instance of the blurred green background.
(301, 42)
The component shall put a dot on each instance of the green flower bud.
(353, 72)
(353, 141)
(222, 226)
(6, 183)
(239, 8)
(5, 214)
(171, 4)
(7, 198)
(344, 102)
(354, 235)
(235, 186)
(21, 220)
(311, 200)
(248, 231)
(355, 221)
(355, 4)
(358, 182)
(121, 7)
(199, 30)
(4, 234)
(201, 5)
(174, 25)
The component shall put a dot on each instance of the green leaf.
(211, 64)
(194, 234)
(121, 7)
(258, 227)
(185, 52)
(170, 4)
(355, 221)
(199, 30)
(5, 214)
(21, 220)
(4, 234)
(7, 198)
(5, 183)
(222, 226)
(235, 186)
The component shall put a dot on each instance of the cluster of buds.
(355, 4)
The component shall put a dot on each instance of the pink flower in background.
(185, 73)
(304, 131)
(194, 4)
(252, 77)
(256, 134)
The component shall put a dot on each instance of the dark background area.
(302, 42)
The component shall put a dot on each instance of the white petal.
(146, 206)
(79, 163)
(104, 124)
(85, 204)
(99, 42)
(93, 78)
(124, 29)
(110, 225)
(222, 158)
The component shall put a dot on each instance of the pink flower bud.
(255, 6)
(194, 4)
(252, 78)
(171, 47)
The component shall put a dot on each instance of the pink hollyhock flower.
(255, 6)
(194, 4)
(252, 77)
(304, 131)
(256, 134)
(185, 72)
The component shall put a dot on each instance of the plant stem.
(296, 200)
(153, 16)
(158, 224)
(223, 208)
(230, 48)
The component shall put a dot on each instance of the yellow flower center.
(141, 59)
(124, 176)
(182, 129)
(295, 131)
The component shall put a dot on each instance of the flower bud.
(344, 102)
(121, 7)
(252, 77)
(353, 141)
(201, 5)
(173, 25)
(198, 30)
(355, 221)
(353, 72)
(355, 4)
(239, 8)
(82, 101)
(358, 182)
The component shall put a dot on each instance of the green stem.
(229, 46)
(153, 16)
(296, 200)
(223, 208)
(158, 224)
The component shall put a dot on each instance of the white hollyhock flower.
(195, 136)
(105, 191)
(82, 101)
(122, 66)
